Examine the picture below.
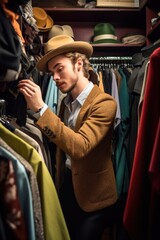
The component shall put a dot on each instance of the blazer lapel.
(95, 91)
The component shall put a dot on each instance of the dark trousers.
(83, 225)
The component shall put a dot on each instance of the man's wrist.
(40, 112)
(43, 109)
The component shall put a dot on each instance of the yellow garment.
(101, 81)
(54, 224)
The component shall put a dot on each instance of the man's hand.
(32, 94)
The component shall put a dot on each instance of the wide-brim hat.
(60, 30)
(43, 21)
(62, 44)
(105, 33)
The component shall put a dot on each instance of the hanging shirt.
(72, 110)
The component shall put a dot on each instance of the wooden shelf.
(79, 19)
(72, 4)
(116, 49)
(83, 20)
(98, 14)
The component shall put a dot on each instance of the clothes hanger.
(3, 116)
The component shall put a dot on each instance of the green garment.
(54, 224)
(120, 158)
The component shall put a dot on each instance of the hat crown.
(60, 30)
(40, 16)
(56, 42)
(104, 28)
(43, 21)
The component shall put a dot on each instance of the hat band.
(105, 36)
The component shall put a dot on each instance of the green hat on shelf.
(104, 33)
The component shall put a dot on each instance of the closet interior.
(126, 65)
(131, 59)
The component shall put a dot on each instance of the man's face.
(64, 73)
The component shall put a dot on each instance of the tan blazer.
(89, 147)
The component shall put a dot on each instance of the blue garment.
(51, 97)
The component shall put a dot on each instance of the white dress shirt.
(72, 110)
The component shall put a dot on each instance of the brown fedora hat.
(43, 21)
(60, 30)
(62, 44)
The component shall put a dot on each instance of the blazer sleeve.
(95, 119)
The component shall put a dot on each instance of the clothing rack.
(111, 61)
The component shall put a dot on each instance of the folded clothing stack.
(133, 39)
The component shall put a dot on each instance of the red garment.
(10, 207)
(137, 215)
(154, 167)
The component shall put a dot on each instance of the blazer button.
(48, 131)
(51, 134)
(45, 128)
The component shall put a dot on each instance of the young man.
(83, 134)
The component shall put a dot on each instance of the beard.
(70, 88)
(73, 84)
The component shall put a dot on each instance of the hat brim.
(81, 47)
(111, 41)
(48, 26)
